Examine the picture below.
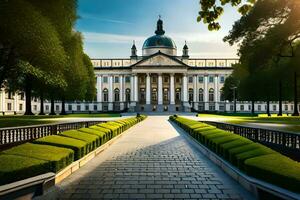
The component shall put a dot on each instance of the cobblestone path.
(152, 160)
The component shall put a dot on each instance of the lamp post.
(234, 98)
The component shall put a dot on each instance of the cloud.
(94, 37)
(95, 17)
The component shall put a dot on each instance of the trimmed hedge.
(252, 158)
(53, 153)
(58, 157)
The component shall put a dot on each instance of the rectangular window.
(222, 79)
(274, 107)
(190, 79)
(78, 107)
(211, 79)
(259, 107)
(105, 79)
(35, 107)
(116, 79)
(47, 107)
(242, 107)
(69, 107)
(286, 107)
(95, 107)
(20, 107)
(127, 79)
(86, 107)
(9, 106)
(200, 79)
(57, 107)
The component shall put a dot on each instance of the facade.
(159, 80)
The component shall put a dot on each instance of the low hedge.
(252, 158)
(55, 152)
(78, 146)
(58, 157)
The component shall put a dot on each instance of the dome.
(159, 42)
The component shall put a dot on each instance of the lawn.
(285, 123)
(19, 120)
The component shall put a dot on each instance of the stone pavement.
(153, 160)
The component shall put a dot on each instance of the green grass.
(283, 123)
(252, 158)
(20, 120)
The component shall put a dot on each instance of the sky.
(110, 26)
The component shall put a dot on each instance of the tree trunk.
(296, 113)
(42, 104)
(268, 108)
(252, 107)
(52, 112)
(63, 110)
(280, 99)
(28, 87)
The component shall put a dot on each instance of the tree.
(37, 50)
(91, 81)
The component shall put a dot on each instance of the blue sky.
(110, 26)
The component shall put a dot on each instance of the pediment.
(159, 60)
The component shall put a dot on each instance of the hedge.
(58, 157)
(55, 152)
(254, 159)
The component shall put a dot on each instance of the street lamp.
(234, 98)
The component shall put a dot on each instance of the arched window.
(191, 94)
(117, 95)
(154, 94)
(166, 94)
(211, 95)
(105, 95)
(127, 94)
(201, 95)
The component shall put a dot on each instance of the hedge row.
(254, 159)
(53, 153)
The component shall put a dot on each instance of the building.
(159, 80)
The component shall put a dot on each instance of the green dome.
(160, 41)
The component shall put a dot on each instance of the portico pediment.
(159, 59)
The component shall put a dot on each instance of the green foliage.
(78, 146)
(91, 81)
(58, 157)
(253, 158)
(15, 168)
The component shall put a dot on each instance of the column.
(148, 88)
(184, 88)
(2, 100)
(132, 88)
(16, 102)
(195, 92)
(160, 89)
(216, 88)
(172, 89)
(99, 88)
(121, 92)
(206, 106)
(110, 92)
(136, 88)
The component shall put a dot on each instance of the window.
(154, 94)
(200, 79)
(78, 107)
(127, 79)
(47, 108)
(105, 79)
(259, 107)
(142, 79)
(222, 79)
(9, 95)
(127, 94)
(191, 95)
(177, 80)
(117, 95)
(211, 79)
(190, 79)
(57, 108)
(154, 79)
(86, 107)
(35, 107)
(177, 96)
(9, 106)
(286, 107)
(211, 95)
(116, 79)
(242, 107)
(20, 107)
(249, 107)
(142, 94)
(201, 96)
(69, 107)
(166, 94)
(274, 107)
(95, 107)
(166, 79)
(105, 95)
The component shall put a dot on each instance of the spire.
(159, 27)
(133, 45)
(133, 50)
(185, 46)
(185, 51)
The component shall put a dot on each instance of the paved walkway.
(153, 159)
